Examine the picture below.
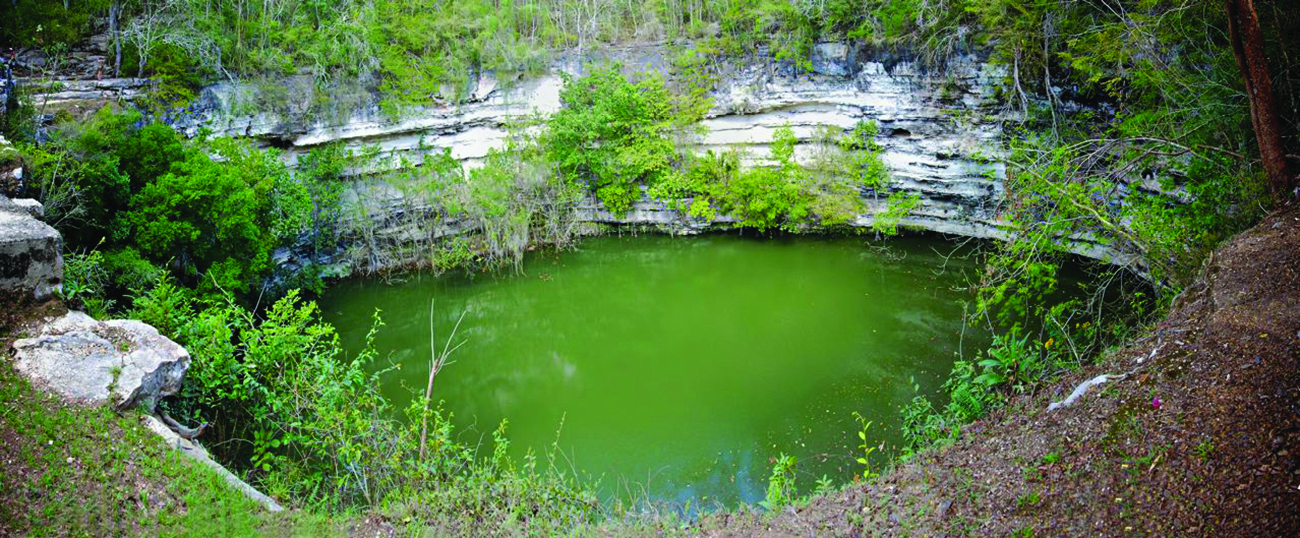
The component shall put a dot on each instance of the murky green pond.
(675, 369)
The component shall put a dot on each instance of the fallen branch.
(1082, 389)
(182, 431)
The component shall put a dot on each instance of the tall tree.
(1248, 46)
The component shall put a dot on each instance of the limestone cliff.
(936, 128)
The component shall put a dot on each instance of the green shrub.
(898, 205)
(130, 272)
(222, 218)
(165, 306)
(611, 135)
(321, 434)
(86, 283)
(781, 484)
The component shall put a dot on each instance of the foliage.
(784, 193)
(867, 448)
(612, 135)
(209, 211)
(781, 485)
(898, 205)
(1061, 338)
(165, 305)
(478, 216)
(766, 196)
(85, 282)
(321, 172)
(514, 200)
(1156, 178)
(321, 433)
(225, 218)
(1009, 362)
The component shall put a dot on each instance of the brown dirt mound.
(1201, 438)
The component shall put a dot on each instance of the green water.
(678, 367)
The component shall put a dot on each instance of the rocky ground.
(1201, 437)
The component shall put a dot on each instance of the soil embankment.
(1200, 438)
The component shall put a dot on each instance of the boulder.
(31, 258)
(123, 362)
(32, 207)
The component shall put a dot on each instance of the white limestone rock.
(123, 362)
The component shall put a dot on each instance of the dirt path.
(1201, 438)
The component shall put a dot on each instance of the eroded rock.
(31, 253)
(123, 362)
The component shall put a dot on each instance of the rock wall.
(937, 129)
(31, 252)
(934, 127)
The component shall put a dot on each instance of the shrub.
(86, 282)
(320, 432)
(781, 485)
(222, 218)
(611, 135)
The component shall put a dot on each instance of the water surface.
(677, 368)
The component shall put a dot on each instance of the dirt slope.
(1201, 438)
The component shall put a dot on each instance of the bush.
(86, 282)
(611, 136)
(320, 432)
(222, 218)
(781, 484)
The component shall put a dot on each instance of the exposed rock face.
(63, 94)
(8, 96)
(31, 252)
(934, 127)
(124, 362)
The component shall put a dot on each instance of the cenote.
(675, 369)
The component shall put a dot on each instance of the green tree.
(612, 135)
(219, 221)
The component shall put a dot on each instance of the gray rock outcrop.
(31, 253)
(8, 93)
(69, 93)
(937, 130)
(126, 363)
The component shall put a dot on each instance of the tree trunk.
(114, 13)
(1248, 46)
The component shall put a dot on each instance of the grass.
(1051, 458)
(88, 471)
(1204, 450)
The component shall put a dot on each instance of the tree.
(1248, 46)
(613, 135)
